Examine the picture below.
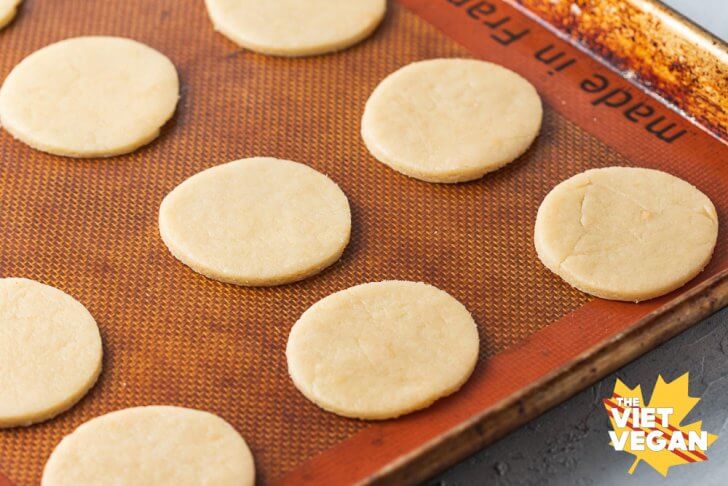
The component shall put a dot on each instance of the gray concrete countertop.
(711, 14)
(570, 444)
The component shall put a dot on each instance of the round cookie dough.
(381, 350)
(89, 97)
(295, 27)
(258, 221)
(626, 233)
(8, 9)
(50, 352)
(152, 445)
(451, 120)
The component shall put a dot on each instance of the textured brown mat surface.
(174, 337)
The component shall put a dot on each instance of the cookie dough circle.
(152, 445)
(8, 9)
(89, 97)
(381, 350)
(258, 221)
(50, 352)
(295, 27)
(451, 120)
(626, 233)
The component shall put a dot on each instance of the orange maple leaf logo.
(654, 433)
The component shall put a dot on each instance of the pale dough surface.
(8, 9)
(149, 446)
(295, 27)
(50, 352)
(626, 233)
(258, 221)
(451, 120)
(89, 97)
(380, 350)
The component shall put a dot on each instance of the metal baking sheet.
(171, 336)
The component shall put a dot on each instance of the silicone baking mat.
(171, 336)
